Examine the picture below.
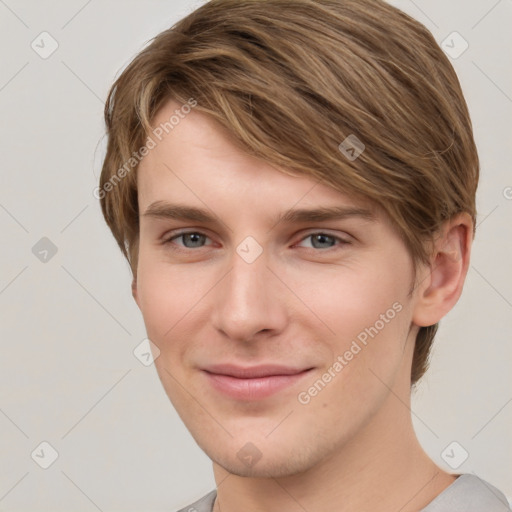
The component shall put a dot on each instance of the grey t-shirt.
(468, 493)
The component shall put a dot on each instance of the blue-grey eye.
(322, 240)
(196, 239)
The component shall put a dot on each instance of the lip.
(252, 383)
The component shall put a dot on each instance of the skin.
(300, 303)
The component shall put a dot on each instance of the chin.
(274, 468)
(267, 458)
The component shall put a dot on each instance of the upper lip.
(252, 372)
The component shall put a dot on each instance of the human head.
(290, 80)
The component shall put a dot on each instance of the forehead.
(196, 160)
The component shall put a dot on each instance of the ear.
(134, 290)
(440, 286)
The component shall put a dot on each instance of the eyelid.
(342, 240)
(169, 238)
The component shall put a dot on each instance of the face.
(280, 332)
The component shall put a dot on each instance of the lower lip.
(252, 389)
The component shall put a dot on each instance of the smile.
(253, 383)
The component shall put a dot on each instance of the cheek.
(165, 291)
(361, 315)
(345, 300)
(162, 298)
(165, 300)
(174, 304)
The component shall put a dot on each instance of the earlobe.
(134, 291)
(441, 286)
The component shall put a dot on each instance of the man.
(293, 183)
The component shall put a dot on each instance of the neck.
(382, 468)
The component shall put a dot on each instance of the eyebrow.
(165, 210)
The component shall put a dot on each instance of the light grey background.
(68, 375)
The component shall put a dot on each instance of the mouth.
(252, 383)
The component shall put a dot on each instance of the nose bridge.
(247, 281)
(248, 301)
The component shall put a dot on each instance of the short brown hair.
(291, 80)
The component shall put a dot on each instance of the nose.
(249, 301)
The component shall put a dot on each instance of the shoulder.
(469, 493)
(204, 504)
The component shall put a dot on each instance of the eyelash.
(341, 241)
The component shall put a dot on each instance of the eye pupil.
(322, 238)
(194, 237)
(194, 240)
